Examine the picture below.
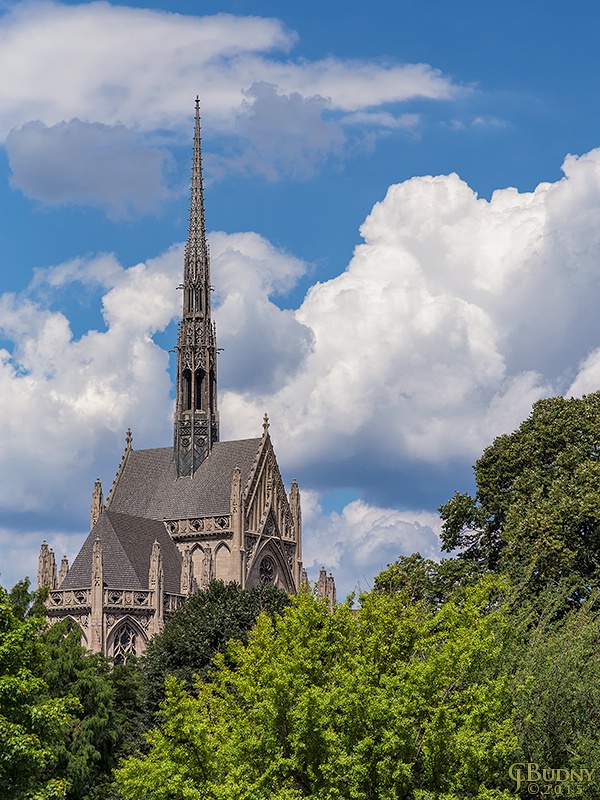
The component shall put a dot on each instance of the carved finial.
(236, 491)
(155, 573)
(64, 569)
(128, 439)
(296, 509)
(265, 424)
(331, 592)
(97, 565)
(322, 583)
(97, 503)
(46, 567)
(326, 588)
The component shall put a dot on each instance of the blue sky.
(403, 201)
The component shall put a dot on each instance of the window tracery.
(124, 644)
(266, 570)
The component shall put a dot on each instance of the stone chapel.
(178, 517)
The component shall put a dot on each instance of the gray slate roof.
(126, 547)
(149, 487)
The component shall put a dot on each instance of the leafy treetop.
(536, 512)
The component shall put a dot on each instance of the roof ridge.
(124, 457)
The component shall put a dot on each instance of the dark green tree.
(557, 681)
(88, 754)
(110, 711)
(536, 511)
(202, 628)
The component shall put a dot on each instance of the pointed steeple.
(196, 415)
(196, 270)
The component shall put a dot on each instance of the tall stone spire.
(196, 414)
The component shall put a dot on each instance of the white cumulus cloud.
(66, 402)
(451, 319)
(140, 67)
(361, 540)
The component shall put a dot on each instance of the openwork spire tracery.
(196, 266)
(196, 415)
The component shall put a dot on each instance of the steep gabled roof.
(148, 486)
(126, 547)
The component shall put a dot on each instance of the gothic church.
(178, 517)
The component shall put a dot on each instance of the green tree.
(557, 705)
(536, 511)
(423, 579)
(32, 724)
(397, 700)
(27, 603)
(109, 705)
(201, 629)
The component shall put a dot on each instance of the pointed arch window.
(124, 644)
(194, 302)
(212, 391)
(186, 390)
(198, 389)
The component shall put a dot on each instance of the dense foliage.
(31, 721)
(536, 512)
(109, 700)
(201, 629)
(557, 707)
(380, 703)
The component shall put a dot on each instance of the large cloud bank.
(450, 320)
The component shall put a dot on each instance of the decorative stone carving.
(64, 569)
(207, 567)
(202, 526)
(97, 503)
(270, 528)
(250, 542)
(266, 570)
(289, 549)
(46, 567)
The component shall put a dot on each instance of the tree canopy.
(536, 511)
(395, 700)
(421, 578)
(33, 724)
(557, 705)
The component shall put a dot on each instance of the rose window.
(267, 570)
